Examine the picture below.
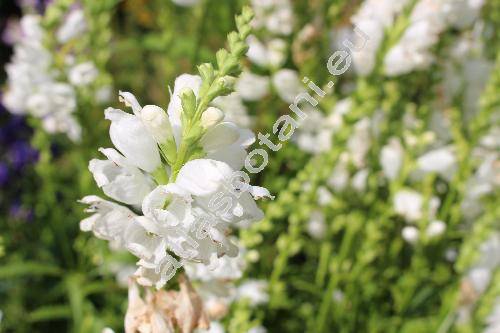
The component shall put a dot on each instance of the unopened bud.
(156, 121)
(211, 117)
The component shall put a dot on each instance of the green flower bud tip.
(188, 101)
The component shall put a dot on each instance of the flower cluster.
(374, 17)
(428, 20)
(179, 168)
(36, 86)
(276, 19)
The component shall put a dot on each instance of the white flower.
(274, 15)
(203, 178)
(211, 117)
(82, 74)
(123, 272)
(224, 268)
(338, 296)
(74, 25)
(339, 178)
(314, 135)
(428, 20)
(408, 204)
(132, 139)
(440, 160)
(436, 228)
(104, 94)
(287, 84)
(188, 214)
(360, 141)
(215, 281)
(410, 234)
(373, 18)
(156, 121)
(316, 226)
(217, 296)
(488, 262)
(254, 291)
(493, 320)
(359, 180)
(62, 123)
(272, 54)
(119, 179)
(490, 252)
(234, 109)
(32, 87)
(463, 12)
(480, 278)
(391, 158)
(324, 196)
(191, 216)
(451, 254)
(227, 142)
(108, 220)
(252, 87)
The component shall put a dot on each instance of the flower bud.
(436, 228)
(410, 234)
(211, 117)
(156, 121)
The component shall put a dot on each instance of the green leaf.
(49, 312)
(28, 269)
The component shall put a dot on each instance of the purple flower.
(13, 130)
(21, 153)
(20, 213)
(4, 174)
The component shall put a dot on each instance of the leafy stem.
(215, 83)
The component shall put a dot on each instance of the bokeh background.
(386, 217)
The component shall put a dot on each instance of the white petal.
(109, 220)
(153, 205)
(132, 139)
(234, 156)
(140, 238)
(119, 180)
(439, 160)
(130, 101)
(247, 137)
(260, 192)
(203, 176)
(174, 110)
(224, 134)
